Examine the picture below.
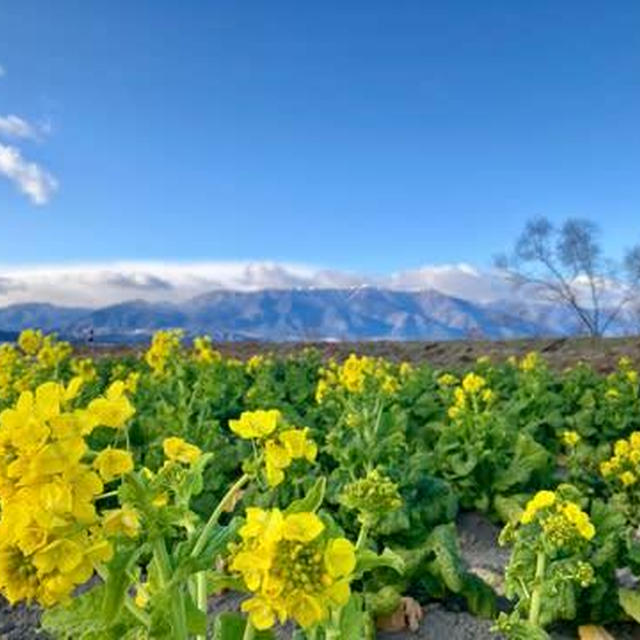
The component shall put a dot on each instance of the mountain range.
(361, 313)
(124, 302)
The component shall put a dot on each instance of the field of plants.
(181, 493)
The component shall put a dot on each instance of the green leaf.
(447, 564)
(528, 458)
(481, 598)
(79, 620)
(118, 581)
(231, 626)
(196, 619)
(354, 620)
(508, 508)
(368, 560)
(384, 601)
(313, 499)
(630, 602)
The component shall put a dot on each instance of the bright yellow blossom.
(256, 424)
(180, 451)
(113, 463)
(292, 568)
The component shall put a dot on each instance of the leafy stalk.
(536, 594)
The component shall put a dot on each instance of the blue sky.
(371, 136)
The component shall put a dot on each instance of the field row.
(328, 492)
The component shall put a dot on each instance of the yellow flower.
(256, 424)
(541, 500)
(303, 527)
(204, 352)
(406, 369)
(254, 363)
(114, 409)
(298, 444)
(570, 438)
(340, 557)
(634, 440)
(84, 369)
(606, 469)
(472, 383)
(628, 478)
(178, 450)
(131, 382)
(30, 341)
(277, 458)
(488, 396)
(124, 521)
(292, 568)
(142, 596)
(113, 463)
(321, 391)
(164, 346)
(530, 362)
(621, 448)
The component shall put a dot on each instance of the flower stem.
(141, 615)
(536, 594)
(249, 631)
(201, 577)
(362, 536)
(178, 611)
(213, 518)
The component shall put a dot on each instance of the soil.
(601, 353)
(19, 622)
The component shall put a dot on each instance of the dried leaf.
(407, 616)
(593, 632)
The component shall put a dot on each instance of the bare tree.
(565, 266)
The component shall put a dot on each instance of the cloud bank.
(96, 285)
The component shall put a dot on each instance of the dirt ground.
(602, 354)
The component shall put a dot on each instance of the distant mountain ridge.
(361, 313)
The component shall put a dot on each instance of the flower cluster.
(532, 361)
(164, 346)
(293, 568)
(203, 351)
(357, 374)
(623, 467)
(472, 395)
(373, 497)
(570, 439)
(562, 521)
(30, 341)
(51, 534)
(31, 360)
(177, 450)
(84, 368)
(280, 449)
(53, 352)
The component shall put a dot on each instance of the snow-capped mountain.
(270, 301)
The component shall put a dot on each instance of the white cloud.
(30, 178)
(16, 127)
(97, 285)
